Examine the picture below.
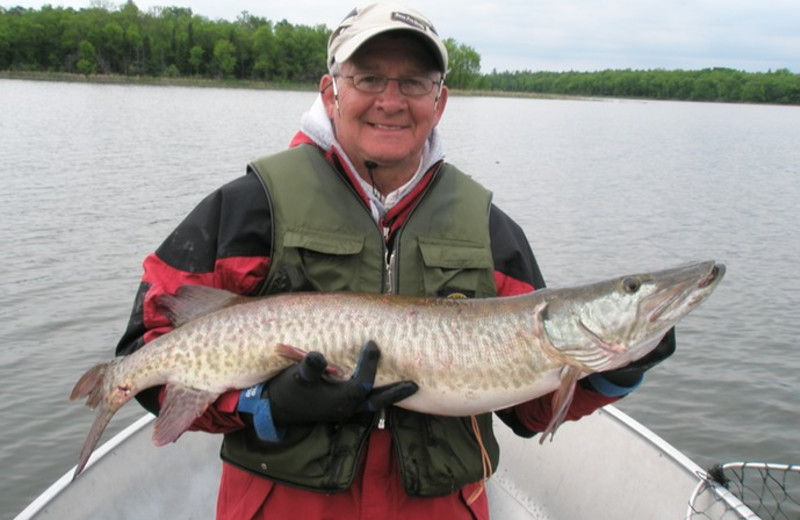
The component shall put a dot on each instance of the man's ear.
(328, 93)
(440, 103)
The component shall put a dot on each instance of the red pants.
(377, 493)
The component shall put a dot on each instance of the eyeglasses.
(414, 86)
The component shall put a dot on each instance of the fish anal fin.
(562, 400)
(181, 406)
(194, 301)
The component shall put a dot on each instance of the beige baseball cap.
(368, 21)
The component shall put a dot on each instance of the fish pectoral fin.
(561, 401)
(182, 405)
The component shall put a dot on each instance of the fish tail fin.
(93, 386)
(90, 385)
(104, 415)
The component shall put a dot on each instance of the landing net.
(747, 490)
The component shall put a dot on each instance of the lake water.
(94, 176)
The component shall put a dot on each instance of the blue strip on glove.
(605, 387)
(250, 401)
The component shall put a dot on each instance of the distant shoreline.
(198, 82)
(183, 81)
(163, 81)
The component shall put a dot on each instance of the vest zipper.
(391, 285)
(389, 261)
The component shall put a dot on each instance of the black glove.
(300, 395)
(631, 373)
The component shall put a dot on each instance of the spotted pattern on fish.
(466, 356)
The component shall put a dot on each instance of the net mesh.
(750, 490)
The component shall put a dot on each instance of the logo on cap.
(413, 22)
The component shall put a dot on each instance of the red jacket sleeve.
(223, 243)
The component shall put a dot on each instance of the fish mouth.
(716, 273)
(689, 292)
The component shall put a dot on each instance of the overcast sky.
(558, 35)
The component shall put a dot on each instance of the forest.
(173, 42)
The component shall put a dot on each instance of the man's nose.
(392, 97)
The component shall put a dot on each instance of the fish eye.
(631, 285)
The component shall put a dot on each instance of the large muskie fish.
(467, 356)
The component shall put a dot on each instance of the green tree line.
(712, 84)
(169, 41)
(173, 41)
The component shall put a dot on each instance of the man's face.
(389, 128)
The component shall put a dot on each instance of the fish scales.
(466, 356)
(416, 344)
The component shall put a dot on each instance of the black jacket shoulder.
(232, 221)
(511, 250)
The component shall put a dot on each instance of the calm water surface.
(93, 177)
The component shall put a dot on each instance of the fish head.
(609, 324)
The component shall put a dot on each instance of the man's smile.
(380, 126)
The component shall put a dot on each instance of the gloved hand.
(300, 395)
(629, 377)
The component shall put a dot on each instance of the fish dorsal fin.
(193, 301)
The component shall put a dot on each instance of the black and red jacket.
(225, 242)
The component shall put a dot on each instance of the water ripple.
(94, 177)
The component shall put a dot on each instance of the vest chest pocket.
(330, 262)
(456, 269)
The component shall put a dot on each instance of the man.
(362, 201)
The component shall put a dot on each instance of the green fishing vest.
(325, 239)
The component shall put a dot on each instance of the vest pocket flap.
(450, 254)
(327, 243)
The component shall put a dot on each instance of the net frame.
(747, 490)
